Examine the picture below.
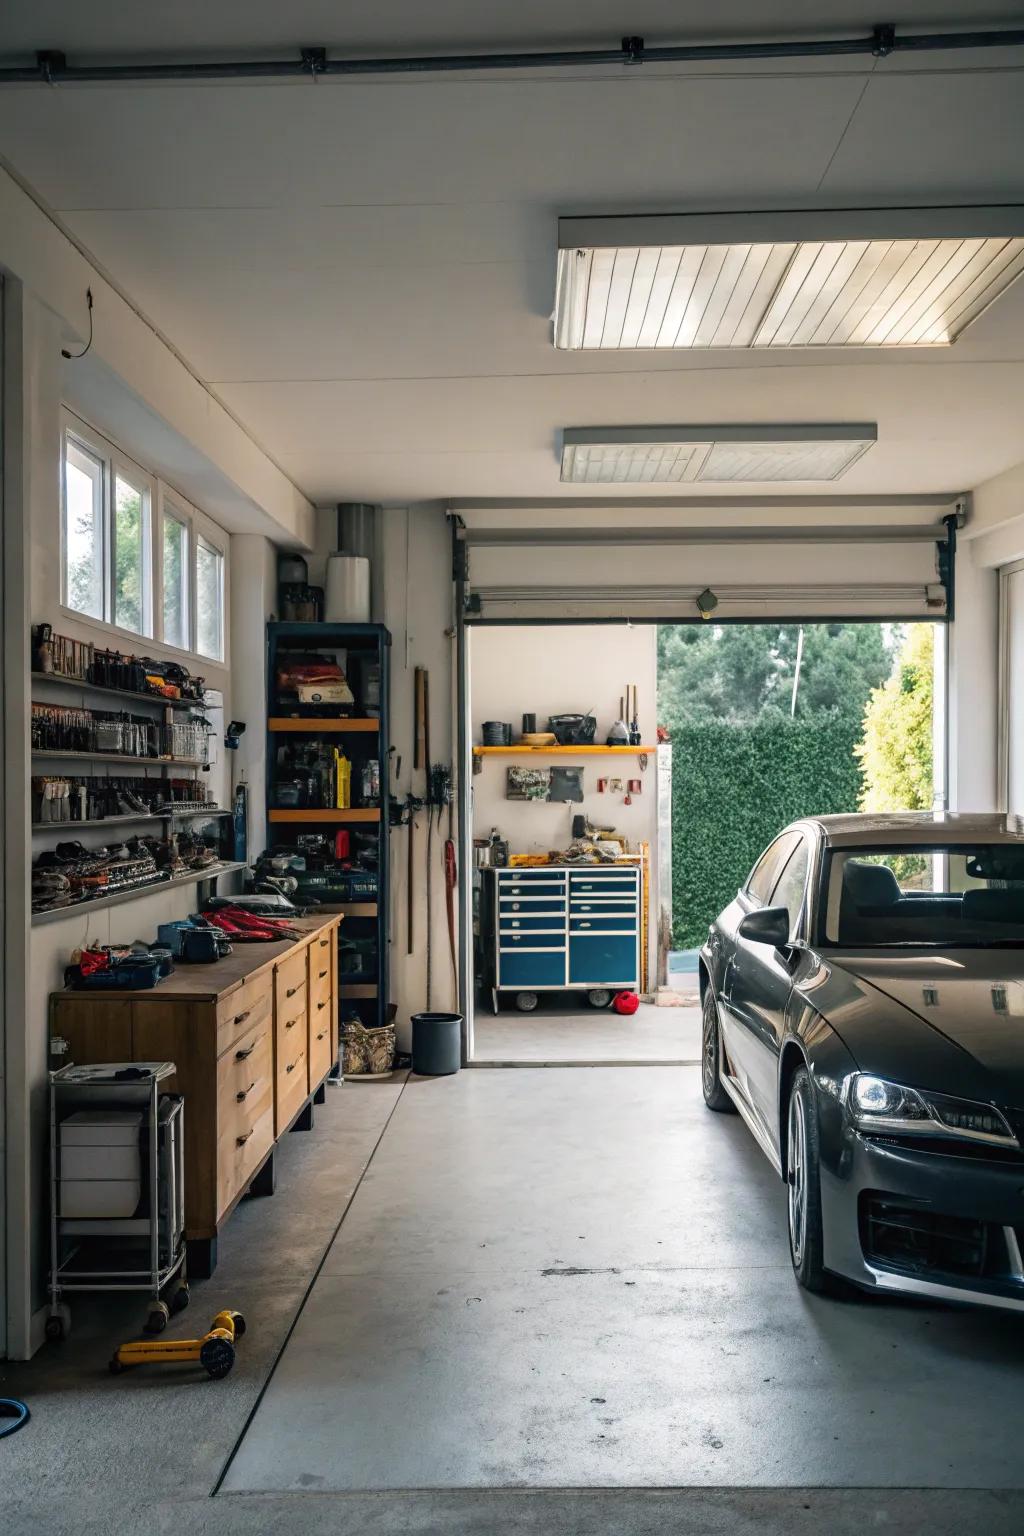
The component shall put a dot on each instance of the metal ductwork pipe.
(347, 585)
(357, 528)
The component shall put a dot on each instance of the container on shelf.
(347, 590)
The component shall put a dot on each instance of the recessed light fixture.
(683, 455)
(865, 278)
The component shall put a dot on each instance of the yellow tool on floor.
(215, 1352)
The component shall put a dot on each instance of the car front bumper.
(900, 1219)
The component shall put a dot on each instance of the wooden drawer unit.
(289, 979)
(248, 1005)
(292, 1085)
(321, 1059)
(248, 1041)
(241, 1148)
(245, 1072)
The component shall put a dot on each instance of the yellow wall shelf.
(311, 727)
(356, 814)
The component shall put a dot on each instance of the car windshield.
(947, 897)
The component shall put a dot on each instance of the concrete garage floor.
(582, 1280)
(522, 1246)
(578, 1035)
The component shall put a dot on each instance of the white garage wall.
(563, 669)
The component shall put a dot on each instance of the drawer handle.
(244, 1055)
(292, 991)
(240, 1141)
(240, 1018)
(321, 976)
(584, 925)
(240, 1098)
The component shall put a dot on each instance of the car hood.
(952, 1022)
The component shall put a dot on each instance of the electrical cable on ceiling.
(74, 356)
(52, 68)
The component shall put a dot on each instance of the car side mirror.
(768, 925)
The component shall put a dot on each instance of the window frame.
(174, 507)
(69, 430)
(120, 466)
(160, 500)
(216, 539)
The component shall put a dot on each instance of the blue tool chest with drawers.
(556, 927)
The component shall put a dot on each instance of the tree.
(736, 672)
(895, 753)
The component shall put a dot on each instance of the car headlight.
(877, 1105)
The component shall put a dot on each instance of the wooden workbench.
(253, 1037)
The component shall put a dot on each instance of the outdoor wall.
(563, 669)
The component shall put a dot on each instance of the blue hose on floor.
(15, 1412)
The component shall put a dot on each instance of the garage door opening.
(772, 722)
(684, 750)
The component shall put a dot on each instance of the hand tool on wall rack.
(425, 728)
(451, 880)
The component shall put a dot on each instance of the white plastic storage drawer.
(100, 1163)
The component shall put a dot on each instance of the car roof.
(872, 828)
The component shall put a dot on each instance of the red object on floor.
(626, 1002)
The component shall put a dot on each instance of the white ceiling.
(363, 271)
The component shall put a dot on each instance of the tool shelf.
(124, 821)
(45, 754)
(132, 893)
(80, 686)
(364, 736)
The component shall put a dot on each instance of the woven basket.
(367, 1052)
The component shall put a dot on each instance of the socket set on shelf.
(57, 728)
(61, 800)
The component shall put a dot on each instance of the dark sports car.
(863, 1010)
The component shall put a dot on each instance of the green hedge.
(733, 788)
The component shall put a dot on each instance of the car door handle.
(727, 976)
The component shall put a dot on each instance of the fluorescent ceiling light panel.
(685, 455)
(634, 286)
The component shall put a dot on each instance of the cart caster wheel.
(526, 1002)
(217, 1356)
(58, 1325)
(599, 997)
(159, 1313)
(179, 1301)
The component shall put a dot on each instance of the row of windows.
(136, 555)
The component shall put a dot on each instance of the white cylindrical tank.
(347, 590)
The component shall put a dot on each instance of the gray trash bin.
(436, 1043)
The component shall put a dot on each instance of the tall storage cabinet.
(303, 810)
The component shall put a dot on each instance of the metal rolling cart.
(117, 1188)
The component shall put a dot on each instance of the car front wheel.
(803, 1177)
(715, 1096)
